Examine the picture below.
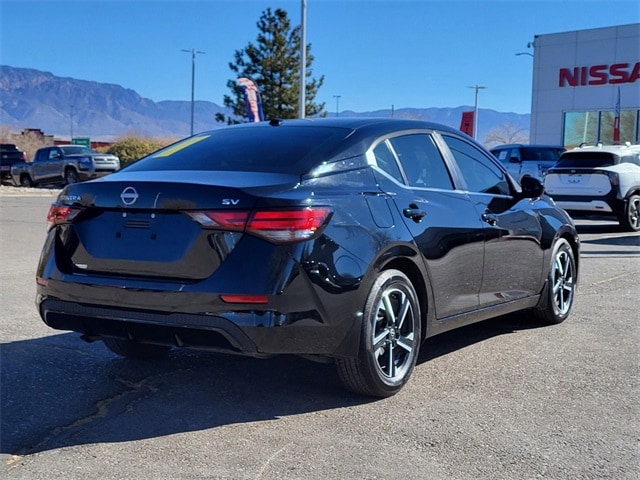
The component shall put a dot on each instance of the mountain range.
(63, 106)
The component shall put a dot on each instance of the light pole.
(303, 59)
(475, 112)
(337, 97)
(71, 124)
(193, 80)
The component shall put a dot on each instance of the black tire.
(25, 181)
(140, 351)
(71, 176)
(560, 291)
(630, 221)
(390, 338)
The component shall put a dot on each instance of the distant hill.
(34, 99)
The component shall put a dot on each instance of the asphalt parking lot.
(504, 399)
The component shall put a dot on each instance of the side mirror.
(531, 187)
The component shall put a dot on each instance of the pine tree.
(273, 63)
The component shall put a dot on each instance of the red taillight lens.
(278, 226)
(228, 220)
(60, 214)
(614, 178)
(282, 226)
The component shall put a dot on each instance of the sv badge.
(230, 201)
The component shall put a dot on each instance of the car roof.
(372, 125)
(526, 145)
(614, 149)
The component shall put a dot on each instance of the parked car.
(347, 239)
(63, 164)
(599, 180)
(9, 155)
(522, 159)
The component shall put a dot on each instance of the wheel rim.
(563, 282)
(634, 213)
(393, 336)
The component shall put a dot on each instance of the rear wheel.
(25, 181)
(561, 285)
(129, 349)
(631, 219)
(390, 338)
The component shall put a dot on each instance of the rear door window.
(421, 161)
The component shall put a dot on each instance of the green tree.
(273, 63)
(131, 148)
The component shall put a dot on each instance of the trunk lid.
(138, 224)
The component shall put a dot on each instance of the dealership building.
(586, 87)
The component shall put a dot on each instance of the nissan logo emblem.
(129, 196)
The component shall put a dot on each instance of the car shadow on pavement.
(58, 391)
(460, 338)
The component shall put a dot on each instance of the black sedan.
(349, 239)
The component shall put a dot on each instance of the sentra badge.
(129, 196)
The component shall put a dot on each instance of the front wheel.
(630, 221)
(140, 351)
(561, 285)
(390, 338)
(71, 176)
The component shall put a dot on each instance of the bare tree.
(506, 134)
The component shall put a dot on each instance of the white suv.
(599, 180)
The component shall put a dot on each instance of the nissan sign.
(616, 73)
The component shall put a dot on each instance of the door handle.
(414, 213)
(490, 219)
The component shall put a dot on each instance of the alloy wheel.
(393, 334)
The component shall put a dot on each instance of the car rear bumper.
(252, 333)
(610, 204)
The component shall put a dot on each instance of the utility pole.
(475, 112)
(337, 97)
(303, 59)
(193, 80)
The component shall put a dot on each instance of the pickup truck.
(10, 154)
(63, 164)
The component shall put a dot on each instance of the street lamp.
(71, 123)
(337, 97)
(303, 59)
(524, 53)
(193, 80)
(475, 112)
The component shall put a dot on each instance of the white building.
(578, 78)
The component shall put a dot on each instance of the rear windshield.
(256, 148)
(541, 154)
(586, 160)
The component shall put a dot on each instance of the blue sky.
(373, 53)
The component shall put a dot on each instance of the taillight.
(234, 220)
(614, 178)
(277, 226)
(60, 214)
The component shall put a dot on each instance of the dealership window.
(597, 127)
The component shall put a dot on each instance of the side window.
(479, 172)
(387, 161)
(54, 154)
(421, 161)
(634, 159)
(41, 155)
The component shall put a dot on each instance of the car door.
(513, 257)
(41, 168)
(443, 221)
